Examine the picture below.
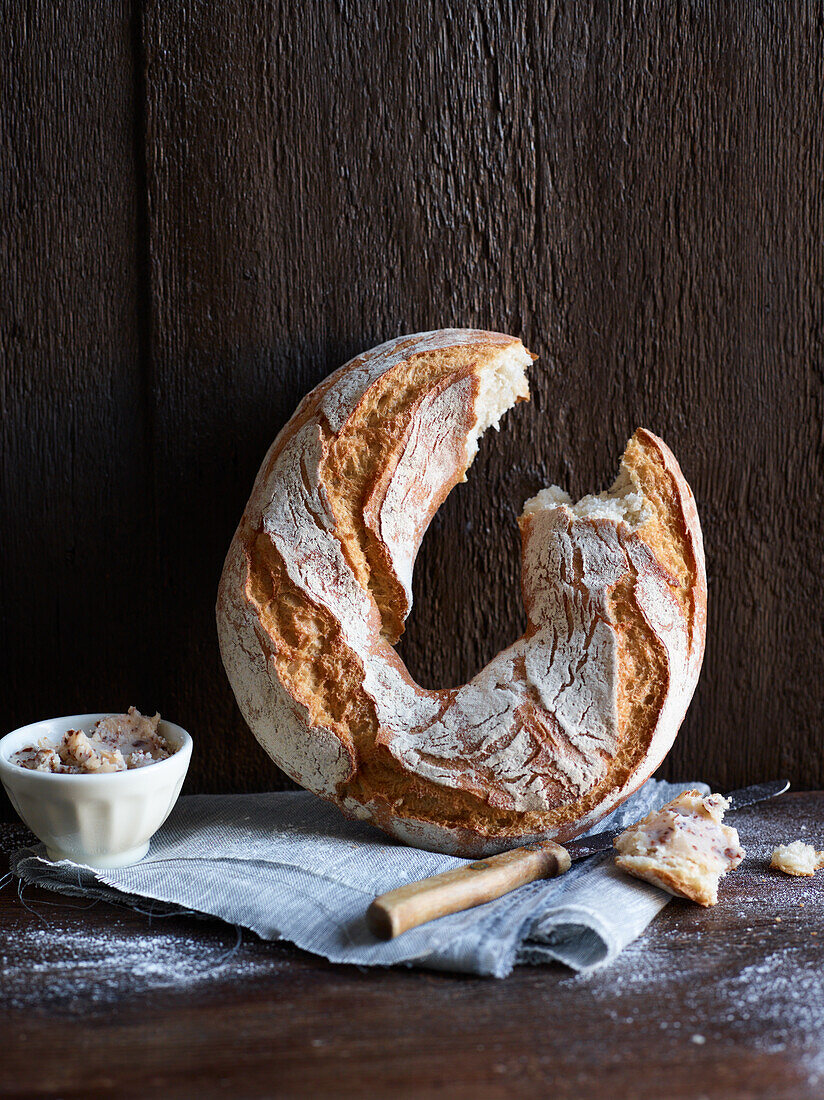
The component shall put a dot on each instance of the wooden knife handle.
(450, 892)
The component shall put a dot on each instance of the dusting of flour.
(49, 967)
(752, 969)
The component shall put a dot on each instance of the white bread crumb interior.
(622, 502)
(501, 383)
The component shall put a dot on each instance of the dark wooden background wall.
(207, 207)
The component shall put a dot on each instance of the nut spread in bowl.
(114, 744)
(95, 787)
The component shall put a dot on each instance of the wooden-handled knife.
(486, 879)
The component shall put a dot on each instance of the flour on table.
(92, 969)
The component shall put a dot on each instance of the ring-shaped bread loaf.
(558, 728)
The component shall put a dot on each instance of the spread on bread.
(684, 848)
(558, 728)
(114, 744)
(798, 859)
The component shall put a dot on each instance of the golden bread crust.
(561, 726)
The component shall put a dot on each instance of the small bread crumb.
(798, 858)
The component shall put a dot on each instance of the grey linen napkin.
(291, 867)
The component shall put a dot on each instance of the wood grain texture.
(723, 1003)
(635, 191)
(76, 510)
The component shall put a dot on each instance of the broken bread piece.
(684, 848)
(798, 859)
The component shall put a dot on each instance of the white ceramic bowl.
(102, 820)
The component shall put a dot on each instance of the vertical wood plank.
(75, 501)
(635, 191)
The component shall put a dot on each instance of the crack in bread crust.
(559, 727)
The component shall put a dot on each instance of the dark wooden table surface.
(726, 1002)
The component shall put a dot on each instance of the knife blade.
(475, 883)
(745, 796)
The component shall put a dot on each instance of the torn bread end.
(623, 502)
(502, 382)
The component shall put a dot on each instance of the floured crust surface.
(684, 847)
(558, 728)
